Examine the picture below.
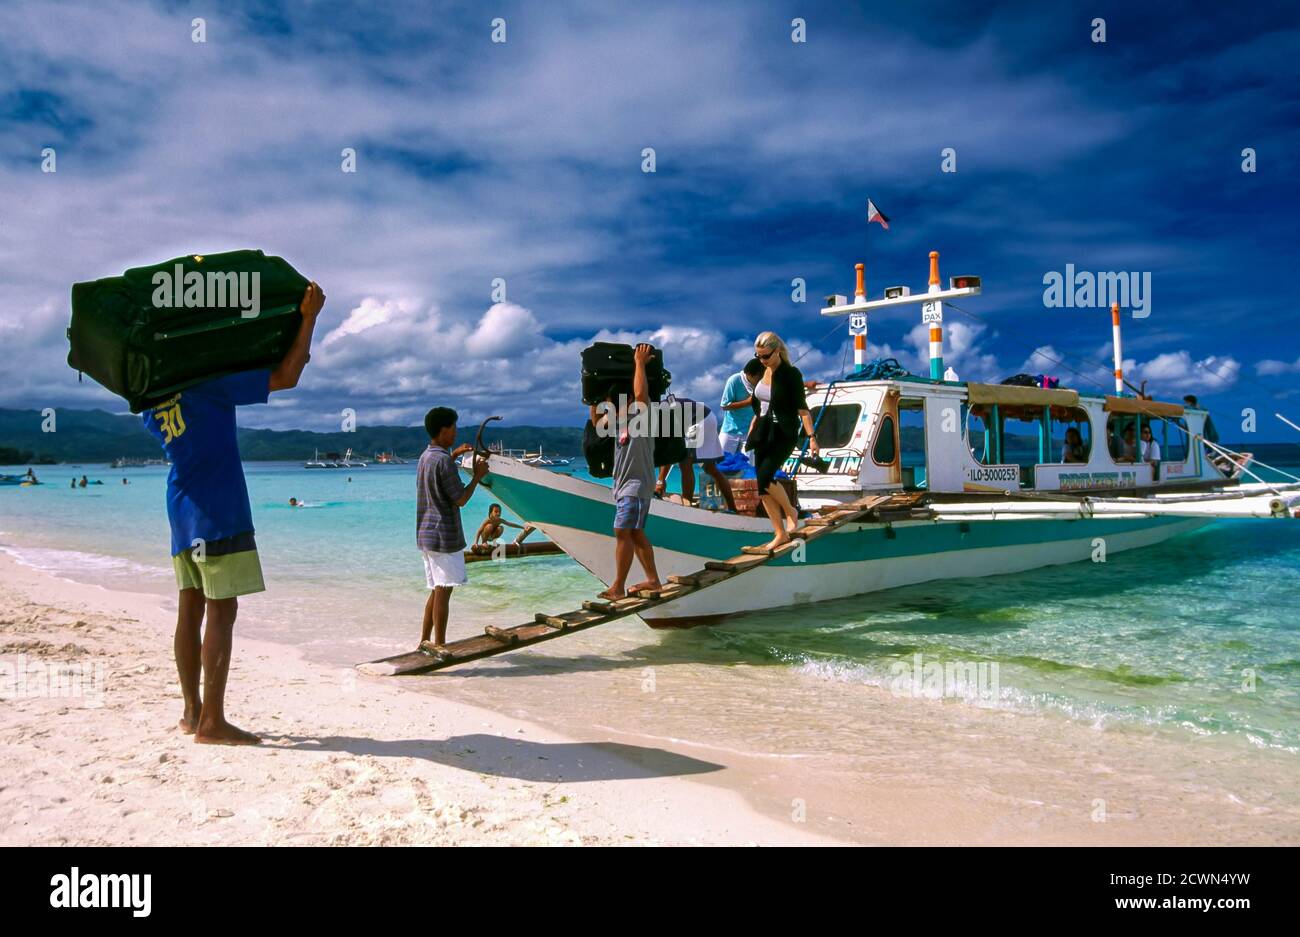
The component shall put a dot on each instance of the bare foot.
(777, 541)
(611, 594)
(791, 524)
(224, 734)
(189, 723)
(650, 585)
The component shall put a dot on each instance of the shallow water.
(1195, 640)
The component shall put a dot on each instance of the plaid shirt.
(437, 489)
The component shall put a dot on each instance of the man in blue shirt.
(736, 407)
(213, 551)
(439, 496)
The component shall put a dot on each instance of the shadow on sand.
(524, 760)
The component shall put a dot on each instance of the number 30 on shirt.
(170, 422)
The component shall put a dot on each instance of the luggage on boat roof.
(157, 330)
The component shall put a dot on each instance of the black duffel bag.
(145, 338)
(598, 450)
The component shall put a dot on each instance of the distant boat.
(124, 462)
(333, 460)
(389, 458)
(348, 461)
(538, 458)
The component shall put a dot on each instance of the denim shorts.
(630, 513)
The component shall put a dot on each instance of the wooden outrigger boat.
(922, 479)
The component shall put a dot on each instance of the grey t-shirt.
(634, 466)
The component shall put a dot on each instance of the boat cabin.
(956, 437)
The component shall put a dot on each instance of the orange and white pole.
(1119, 352)
(860, 339)
(933, 313)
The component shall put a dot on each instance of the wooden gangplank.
(429, 657)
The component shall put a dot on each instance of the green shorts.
(221, 575)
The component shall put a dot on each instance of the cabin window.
(835, 425)
(911, 442)
(884, 452)
(1070, 439)
(1024, 439)
(979, 436)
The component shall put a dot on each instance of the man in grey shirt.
(633, 483)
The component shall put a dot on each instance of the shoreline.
(371, 760)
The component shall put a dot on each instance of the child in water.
(492, 528)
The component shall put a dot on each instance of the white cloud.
(505, 329)
(1177, 371)
(1271, 367)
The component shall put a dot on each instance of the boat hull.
(854, 560)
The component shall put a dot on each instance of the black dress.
(776, 433)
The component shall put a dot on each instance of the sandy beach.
(346, 760)
(93, 758)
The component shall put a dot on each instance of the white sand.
(347, 759)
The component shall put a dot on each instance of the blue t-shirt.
(735, 422)
(206, 494)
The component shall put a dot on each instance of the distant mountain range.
(99, 436)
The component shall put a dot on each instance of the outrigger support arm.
(479, 448)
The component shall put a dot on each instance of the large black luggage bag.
(156, 330)
(610, 366)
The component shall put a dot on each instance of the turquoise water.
(1197, 636)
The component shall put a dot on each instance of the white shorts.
(444, 569)
(731, 442)
(702, 440)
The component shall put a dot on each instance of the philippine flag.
(875, 214)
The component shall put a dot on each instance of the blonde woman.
(779, 406)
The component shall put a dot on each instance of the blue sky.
(522, 160)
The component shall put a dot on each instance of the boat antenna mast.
(931, 310)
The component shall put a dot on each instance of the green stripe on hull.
(543, 505)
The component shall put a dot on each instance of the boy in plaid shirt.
(439, 496)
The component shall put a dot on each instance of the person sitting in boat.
(633, 480)
(737, 396)
(1074, 449)
(779, 405)
(1150, 449)
(492, 528)
(84, 482)
(703, 448)
(31, 477)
